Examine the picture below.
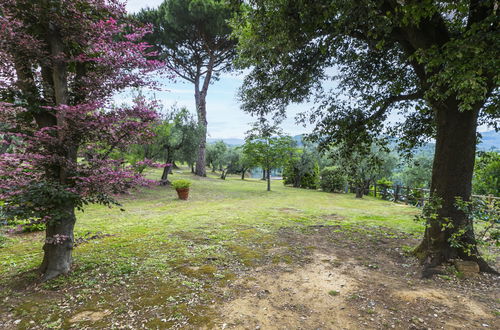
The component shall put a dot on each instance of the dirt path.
(358, 281)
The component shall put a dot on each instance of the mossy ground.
(166, 260)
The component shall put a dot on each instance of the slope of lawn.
(163, 256)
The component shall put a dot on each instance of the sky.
(224, 116)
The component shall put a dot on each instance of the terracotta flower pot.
(183, 193)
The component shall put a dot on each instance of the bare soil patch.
(355, 279)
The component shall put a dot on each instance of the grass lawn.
(164, 262)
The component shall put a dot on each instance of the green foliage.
(387, 58)
(416, 197)
(216, 155)
(417, 172)
(181, 184)
(486, 179)
(363, 165)
(333, 179)
(266, 147)
(49, 202)
(486, 215)
(28, 226)
(176, 139)
(384, 182)
(188, 32)
(302, 169)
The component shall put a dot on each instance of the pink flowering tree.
(61, 61)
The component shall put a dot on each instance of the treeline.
(340, 168)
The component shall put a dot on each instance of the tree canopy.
(266, 147)
(62, 61)
(193, 38)
(433, 63)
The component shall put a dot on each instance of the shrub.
(333, 179)
(384, 182)
(296, 174)
(181, 184)
(311, 179)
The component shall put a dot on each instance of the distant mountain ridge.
(490, 140)
(239, 142)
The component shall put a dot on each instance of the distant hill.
(490, 141)
(230, 141)
(239, 142)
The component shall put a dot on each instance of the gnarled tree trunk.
(164, 176)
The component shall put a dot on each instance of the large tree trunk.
(451, 178)
(59, 239)
(58, 246)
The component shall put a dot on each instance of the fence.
(409, 195)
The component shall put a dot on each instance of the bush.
(333, 179)
(311, 179)
(181, 184)
(293, 174)
(384, 182)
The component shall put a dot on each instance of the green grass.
(165, 251)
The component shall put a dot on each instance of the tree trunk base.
(58, 247)
(432, 260)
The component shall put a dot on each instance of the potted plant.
(182, 188)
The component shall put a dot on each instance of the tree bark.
(264, 174)
(268, 174)
(201, 108)
(164, 177)
(451, 178)
(58, 247)
(167, 169)
(59, 240)
(359, 192)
